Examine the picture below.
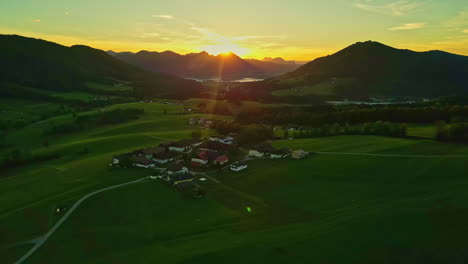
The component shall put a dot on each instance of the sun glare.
(225, 48)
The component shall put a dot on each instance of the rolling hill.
(38, 64)
(370, 68)
(202, 65)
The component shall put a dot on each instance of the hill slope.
(49, 66)
(373, 69)
(203, 65)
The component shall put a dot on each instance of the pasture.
(327, 208)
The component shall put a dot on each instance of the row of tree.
(81, 122)
(454, 132)
(376, 128)
(291, 115)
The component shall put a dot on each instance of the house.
(214, 146)
(207, 157)
(238, 166)
(291, 127)
(221, 160)
(195, 142)
(165, 157)
(280, 153)
(177, 179)
(222, 139)
(176, 168)
(142, 162)
(193, 121)
(199, 161)
(261, 150)
(119, 159)
(184, 145)
(299, 154)
(149, 152)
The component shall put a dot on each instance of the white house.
(280, 153)
(238, 166)
(222, 139)
(256, 153)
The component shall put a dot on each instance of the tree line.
(81, 122)
(376, 128)
(454, 132)
(352, 115)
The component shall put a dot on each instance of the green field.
(324, 88)
(43, 186)
(422, 130)
(328, 208)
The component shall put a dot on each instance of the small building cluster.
(266, 150)
(203, 122)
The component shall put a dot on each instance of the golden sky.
(294, 29)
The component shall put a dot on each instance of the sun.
(225, 48)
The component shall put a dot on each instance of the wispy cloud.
(460, 20)
(409, 26)
(36, 20)
(164, 16)
(398, 8)
(150, 35)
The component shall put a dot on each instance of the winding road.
(40, 241)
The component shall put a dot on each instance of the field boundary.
(392, 155)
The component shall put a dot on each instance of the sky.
(292, 29)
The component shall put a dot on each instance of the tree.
(286, 133)
(196, 135)
(164, 112)
(45, 143)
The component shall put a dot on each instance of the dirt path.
(41, 240)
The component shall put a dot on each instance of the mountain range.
(39, 64)
(202, 65)
(370, 69)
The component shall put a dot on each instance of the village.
(180, 163)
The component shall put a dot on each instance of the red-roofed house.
(221, 160)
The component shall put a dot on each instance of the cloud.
(150, 35)
(36, 20)
(398, 8)
(409, 26)
(460, 20)
(164, 16)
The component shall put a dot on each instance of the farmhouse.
(222, 139)
(214, 146)
(176, 168)
(149, 152)
(261, 150)
(119, 159)
(280, 153)
(165, 157)
(184, 145)
(199, 161)
(299, 154)
(221, 160)
(238, 166)
(142, 162)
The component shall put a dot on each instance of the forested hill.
(45, 65)
(374, 69)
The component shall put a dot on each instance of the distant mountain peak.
(278, 60)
